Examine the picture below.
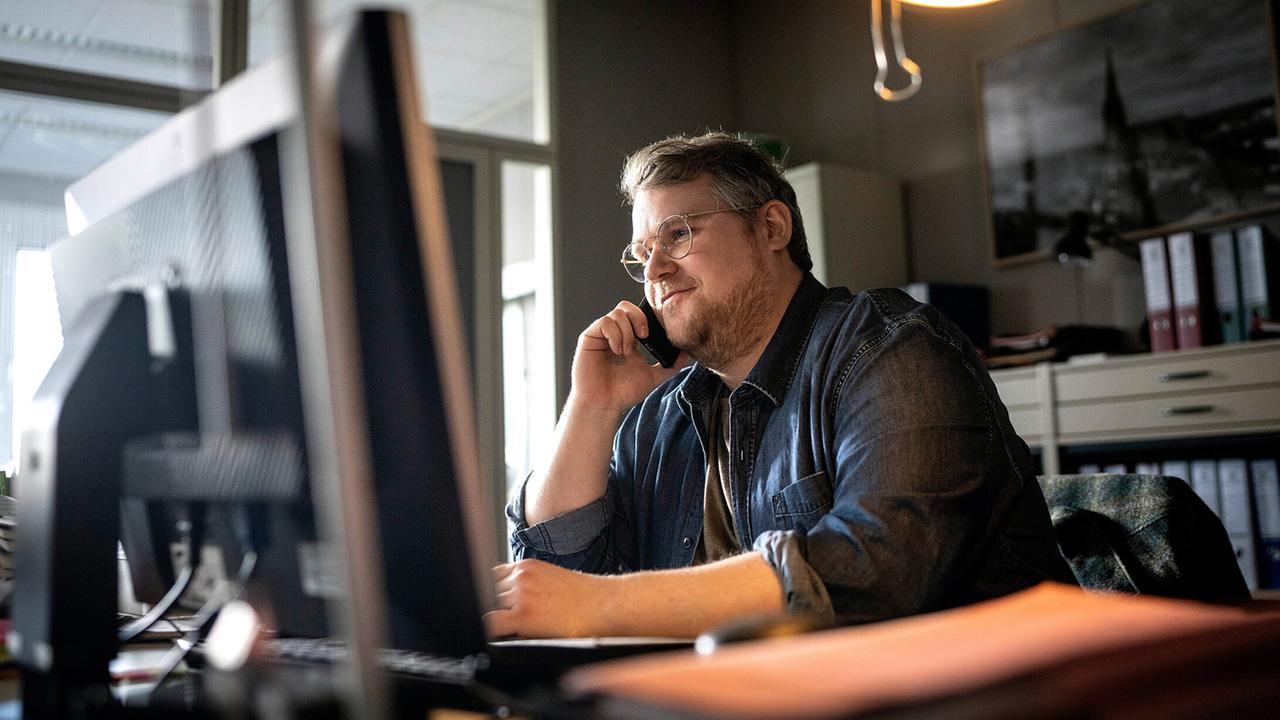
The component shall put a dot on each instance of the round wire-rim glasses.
(674, 238)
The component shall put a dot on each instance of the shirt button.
(686, 542)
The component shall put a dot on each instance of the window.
(45, 144)
(528, 358)
(482, 63)
(37, 333)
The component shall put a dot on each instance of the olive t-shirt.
(719, 530)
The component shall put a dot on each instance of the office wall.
(804, 72)
(628, 73)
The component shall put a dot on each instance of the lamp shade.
(949, 3)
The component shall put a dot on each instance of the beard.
(726, 329)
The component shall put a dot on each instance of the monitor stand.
(105, 388)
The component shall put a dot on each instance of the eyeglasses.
(674, 237)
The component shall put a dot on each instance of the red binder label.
(1184, 270)
(1155, 277)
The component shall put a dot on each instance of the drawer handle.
(1184, 375)
(1187, 410)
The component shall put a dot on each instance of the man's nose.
(659, 265)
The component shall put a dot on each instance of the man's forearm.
(579, 467)
(687, 601)
(538, 599)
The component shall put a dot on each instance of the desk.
(1051, 651)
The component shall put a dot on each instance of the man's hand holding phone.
(610, 375)
(609, 370)
(657, 342)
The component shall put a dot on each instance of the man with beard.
(825, 453)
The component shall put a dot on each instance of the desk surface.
(1048, 650)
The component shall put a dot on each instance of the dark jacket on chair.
(1142, 534)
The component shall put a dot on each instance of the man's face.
(709, 301)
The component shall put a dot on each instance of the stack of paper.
(1049, 651)
(8, 522)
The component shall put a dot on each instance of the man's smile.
(666, 295)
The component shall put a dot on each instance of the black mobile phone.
(658, 344)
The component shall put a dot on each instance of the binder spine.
(1266, 498)
(1204, 481)
(1195, 316)
(1155, 277)
(1258, 278)
(1237, 516)
(1226, 287)
(1180, 469)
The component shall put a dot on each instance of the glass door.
(499, 206)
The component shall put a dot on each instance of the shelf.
(1223, 221)
(1226, 390)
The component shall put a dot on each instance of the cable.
(202, 622)
(192, 530)
(243, 526)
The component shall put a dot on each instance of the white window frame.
(486, 153)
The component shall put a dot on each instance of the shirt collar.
(774, 371)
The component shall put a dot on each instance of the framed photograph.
(1156, 118)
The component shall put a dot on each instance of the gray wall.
(629, 73)
(804, 73)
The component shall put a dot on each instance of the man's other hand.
(537, 599)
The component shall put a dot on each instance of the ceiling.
(476, 60)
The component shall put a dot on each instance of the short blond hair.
(741, 176)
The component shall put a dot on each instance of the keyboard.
(439, 668)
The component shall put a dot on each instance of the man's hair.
(741, 176)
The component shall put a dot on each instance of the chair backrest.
(1142, 534)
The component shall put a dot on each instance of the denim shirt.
(873, 466)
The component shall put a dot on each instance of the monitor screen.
(201, 207)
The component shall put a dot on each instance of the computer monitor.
(194, 222)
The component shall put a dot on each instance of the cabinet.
(1224, 391)
(853, 221)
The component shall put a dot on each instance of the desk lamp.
(900, 50)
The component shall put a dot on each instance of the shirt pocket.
(799, 505)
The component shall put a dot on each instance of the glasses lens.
(674, 235)
(672, 238)
(633, 260)
(637, 251)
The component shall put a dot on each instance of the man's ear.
(777, 224)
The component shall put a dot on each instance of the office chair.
(1145, 534)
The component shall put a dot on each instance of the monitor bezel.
(246, 109)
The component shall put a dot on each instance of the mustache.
(665, 291)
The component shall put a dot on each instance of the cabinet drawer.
(1017, 389)
(1195, 371)
(1176, 414)
(1026, 422)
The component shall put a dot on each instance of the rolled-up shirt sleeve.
(594, 538)
(803, 591)
(569, 534)
(912, 494)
